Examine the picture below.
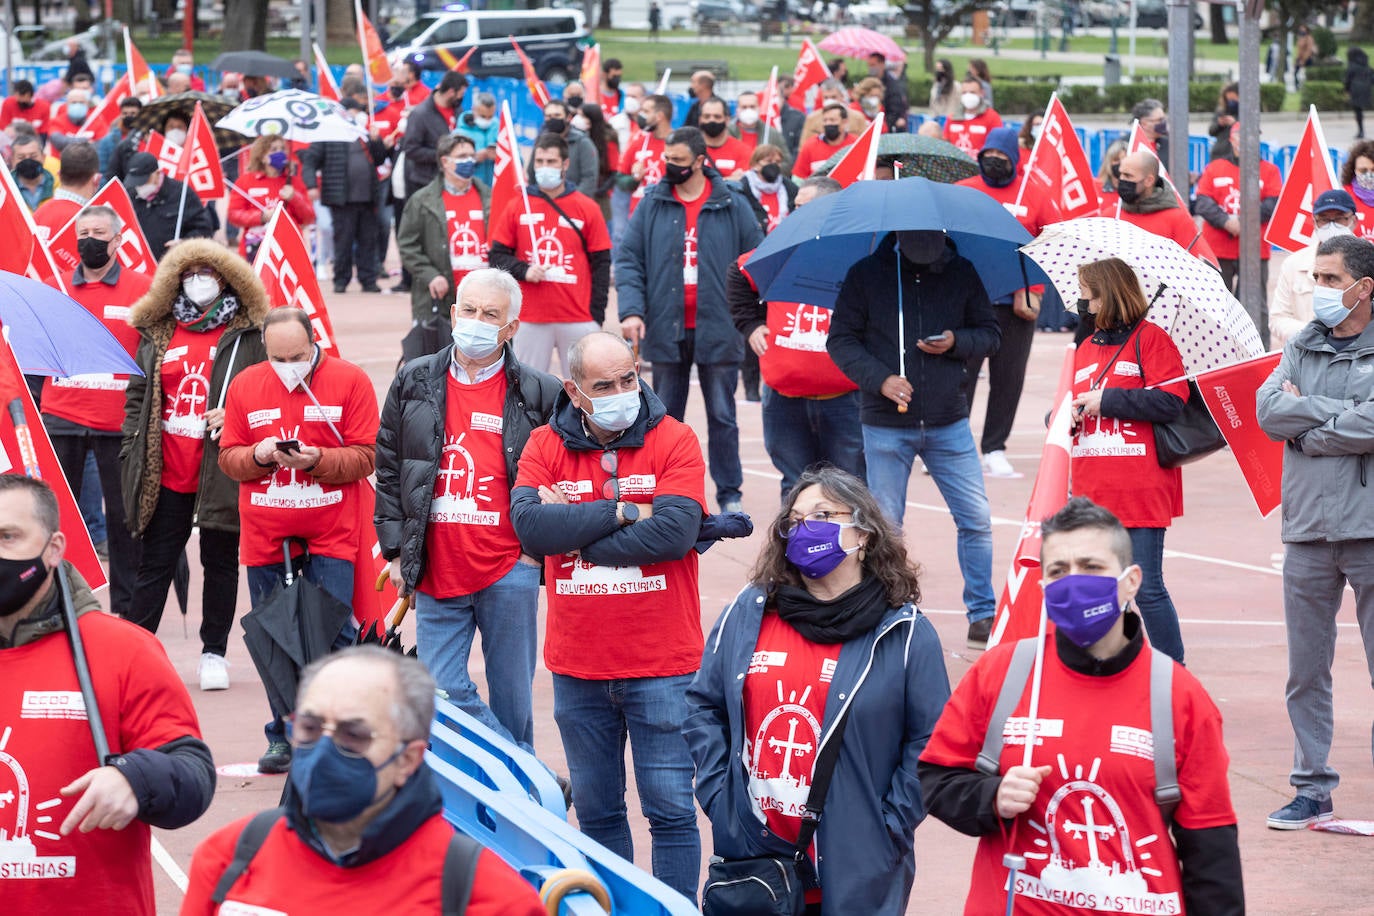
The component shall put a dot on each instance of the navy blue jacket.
(894, 681)
(648, 270)
(945, 296)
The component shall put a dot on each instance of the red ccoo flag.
(508, 181)
(328, 88)
(199, 162)
(1018, 611)
(378, 68)
(809, 73)
(1310, 174)
(287, 272)
(1058, 162)
(133, 251)
(1229, 393)
(167, 153)
(23, 251)
(538, 91)
(861, 157)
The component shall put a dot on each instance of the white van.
(551, 37)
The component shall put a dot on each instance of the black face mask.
(1129, 191)
(941, 76)
(20, 580)
(1233, 108)
(28, 169)
(396, 92)
(642, 122)
(771, 172)
(1082, 306)
(921, 247)
(574, 102)
(127, 121)
(95, 253)
(676, 174)
(832, 132)
(712, 128)
(1116, 172)
(612, 83)
(997, 172)
(26, 105)
(555, 125)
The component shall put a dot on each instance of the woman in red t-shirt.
(272, 178)
(1117, 400)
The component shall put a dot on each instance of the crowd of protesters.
(495, 478)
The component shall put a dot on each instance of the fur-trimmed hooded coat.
(239, 347)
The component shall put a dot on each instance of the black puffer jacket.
(412, 435)
(324, 165)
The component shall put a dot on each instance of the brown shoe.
(978, 633)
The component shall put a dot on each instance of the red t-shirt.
(54, 213)
(36, 114)
(691, 211)
(1113, 461)
(1364, 216)
(47, 744)
(391, 119)
(646, 148)
(467, 232)
(610, 622)
(185, 398)
(469, 541)
(729, 157)
(610, 102)
(1173, 223)
(289, 503)
(750, 138)
(1094, 840)
(96, 400)
(771, 203)
(1036, 210)
(417, 94)
(287, 876)
(785, 690)
(815, 151)
(565, 293)
(970, 135)
(796, 363)
(1221, 182)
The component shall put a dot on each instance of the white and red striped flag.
(861, 156)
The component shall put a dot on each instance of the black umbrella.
(183, 104)
(296, 624)
(372, 635)
(253, 63)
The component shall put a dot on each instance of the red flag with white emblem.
(21, 246)
(199, 162)
(133, 251)
(287, 272)
(809, 73)
(167, 153)
(1291, 226)
(1058, 163)
(861, 157)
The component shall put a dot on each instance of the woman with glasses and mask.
(272, 179)
(200, 326)
(825, 644)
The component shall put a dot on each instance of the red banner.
(1018, 611)
(21, 248)
(809, 73)
(538, 91)
(283, 264)
(167, 153)
(1229, 393)
(199, 162)
(1059, 163)
(861, 157)
(26, 449)
(1291, 226)
(374, 55)
(133, 251)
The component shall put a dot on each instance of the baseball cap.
(141, 165)
(1337, 199)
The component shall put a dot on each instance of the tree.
(245, 25)
(339, 24)
(605, 21)
(1362, 29)
(1217, 23)
(934, 20)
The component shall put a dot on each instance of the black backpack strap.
(460, 870)
(571, 225)
(1013, 685)
(249, 842)
(1167, 793)
(824, 768)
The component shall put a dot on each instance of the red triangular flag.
(144, 80)
(328, 88)
(99, 122)
(809, 72)
(1058, 162)
(287, 272)
(369, 604)
(1291, 226)
(538, 91)
(199, 162)
(861, 157)
(1229, 393)
(133, 251)
(16, 226)
(374, 55)
(508, 181)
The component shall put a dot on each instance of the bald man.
(1148, 201)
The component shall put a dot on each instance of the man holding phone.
(298, 436)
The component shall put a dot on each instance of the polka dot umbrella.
(1187, 297)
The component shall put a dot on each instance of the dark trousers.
(397, 208)
(672, 382)
(163, 542)
(71, 454)
(357, 237)
(1006, 378)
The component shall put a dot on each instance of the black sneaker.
(277, 759)
(978, 633)
(371, 288)
(340, 289)
(1299, 813)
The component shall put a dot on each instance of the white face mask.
(146, 191)
(201, 290)
(748, 116)
(482, 122)
(631, 104)
(548, 178)
(176, 136)
(1330, 231)
(581, 123)
(292, 374)
(970, 100)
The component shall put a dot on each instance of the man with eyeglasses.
(362, 827)
(453, 426)
(1333, 214)
(611, 494)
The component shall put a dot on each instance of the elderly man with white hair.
(452, 429)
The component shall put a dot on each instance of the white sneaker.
(997, 465)
(214, 672)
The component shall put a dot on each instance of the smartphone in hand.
(288, 445)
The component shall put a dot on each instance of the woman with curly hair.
(828, 627)
(1357, 175)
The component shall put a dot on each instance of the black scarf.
(849, 616)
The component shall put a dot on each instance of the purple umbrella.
(53, 334)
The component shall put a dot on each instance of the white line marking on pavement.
(170, 866)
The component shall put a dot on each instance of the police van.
(552, 38)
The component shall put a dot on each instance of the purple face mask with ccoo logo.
(816, 554)
(1083, 607)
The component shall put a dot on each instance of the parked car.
(874, 14)
(1154, 14)
(551, 38)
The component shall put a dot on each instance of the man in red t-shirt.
(610, 493)
(970, 130)
(79, 178)
(560, 251)
(832, 138)
(372, 845)
(641, 164)
(1218, 203)
(22, 106)
(728, 155)
(86, 412)
(76, 837)
(1146, 200)
(299, 431)
(443, 503)
(1081, 806)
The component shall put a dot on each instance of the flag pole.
(1035, 148)
(181, 210)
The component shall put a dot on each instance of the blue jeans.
(620, 215)
(594, 719)
(801, 432)
(952, 459)
(505, 613)
(1156, 607)
(92, 500)
(718, 381)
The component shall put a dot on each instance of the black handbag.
(1191, 435)
(428, 336)
(774, 885)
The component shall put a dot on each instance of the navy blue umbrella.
(53, 334)
(806, 258)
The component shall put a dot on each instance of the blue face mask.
(184, 68)
(333, 786)
(1083, 607)
(277, 159)
(1328, 305)
(614, 412)
(816, 554)
(76, 112)
(476, 339)
(465, 168)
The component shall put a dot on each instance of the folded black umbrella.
(297, 623)
(253, 63)
(725, 525)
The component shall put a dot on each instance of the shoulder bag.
(1191, 435)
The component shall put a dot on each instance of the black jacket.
(1359, 79)
(412, 435)
(945, 296)
(158, 217)
(424, 127)
(325, 166)
(895, 105)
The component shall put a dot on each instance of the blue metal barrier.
(1199, 153)
(529, 776)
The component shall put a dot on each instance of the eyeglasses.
(353, 737)
(812, 522)
(610, 462)
(1343, 219)
(199, 272)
